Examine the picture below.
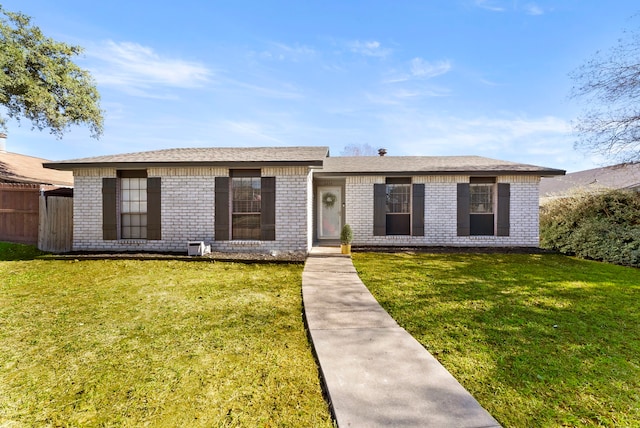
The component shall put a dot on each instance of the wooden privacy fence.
(56, 224)
(19, 213)
(29, 216)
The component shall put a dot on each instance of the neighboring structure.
(291, 198)
(621, 176)
(25, 189)
(22, 169)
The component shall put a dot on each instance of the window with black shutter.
(131, 206)
(483, 207)
(245, 206)
(398, 207)
(398, 203)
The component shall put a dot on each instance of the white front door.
(329, 212)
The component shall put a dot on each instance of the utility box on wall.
(197, 248)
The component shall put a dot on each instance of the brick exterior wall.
(188, 200)
(310, 211)
(292, 215)
(440, 214)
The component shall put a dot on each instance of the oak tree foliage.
(609, 83)
(40, 82)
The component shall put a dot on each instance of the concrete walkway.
(375, 373)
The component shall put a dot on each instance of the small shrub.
(346, 234)
(599, 226)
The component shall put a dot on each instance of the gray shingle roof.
(204, 156)
(622, 176)
(430, 165)
(310, 156)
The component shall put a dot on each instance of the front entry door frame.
(329, 212)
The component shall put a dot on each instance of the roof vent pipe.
(3, 142)
(382, 152)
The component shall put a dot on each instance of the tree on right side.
(609, 83)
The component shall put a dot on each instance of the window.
(481, 198)
(483, 207)
(133, 208)
(398, 208)
(398, 198)
(246, 207)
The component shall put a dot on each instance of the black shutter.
(463, 223)
(379, 209)
(222, 209)
(268, 208)
(109, 214)
(417, 212)
(504, 202)
(154, 208)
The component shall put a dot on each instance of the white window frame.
(253, 209)
(133, 208)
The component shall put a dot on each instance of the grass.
(154, 343)
(539, 340)
(13, 252)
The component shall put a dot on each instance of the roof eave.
(475, 173)
(70, 166)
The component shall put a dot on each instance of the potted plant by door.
(346, 236)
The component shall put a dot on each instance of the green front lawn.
(539, 340)
(154, 343)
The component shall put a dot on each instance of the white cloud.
(488, 82)
(418, 69)
(425, 69)
(543, 141)
(284, 52)
(397, 96)
(489, 5)
(519, 127)
(281, 91)
(136, 68)
(255, 131)
(533, 9)
(369, 48)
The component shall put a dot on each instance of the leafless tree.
(609, 83)
(359, 150)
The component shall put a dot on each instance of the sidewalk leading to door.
(376, 374)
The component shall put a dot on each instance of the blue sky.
(441, 77)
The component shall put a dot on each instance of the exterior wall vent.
(197, 248)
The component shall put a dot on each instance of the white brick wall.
(441, 213)
(188, 200)
(292, 216)
(310, 220)
(87, 209)
(188, 212)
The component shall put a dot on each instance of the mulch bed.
(453, 250)
(297, 257)
(285, 257)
